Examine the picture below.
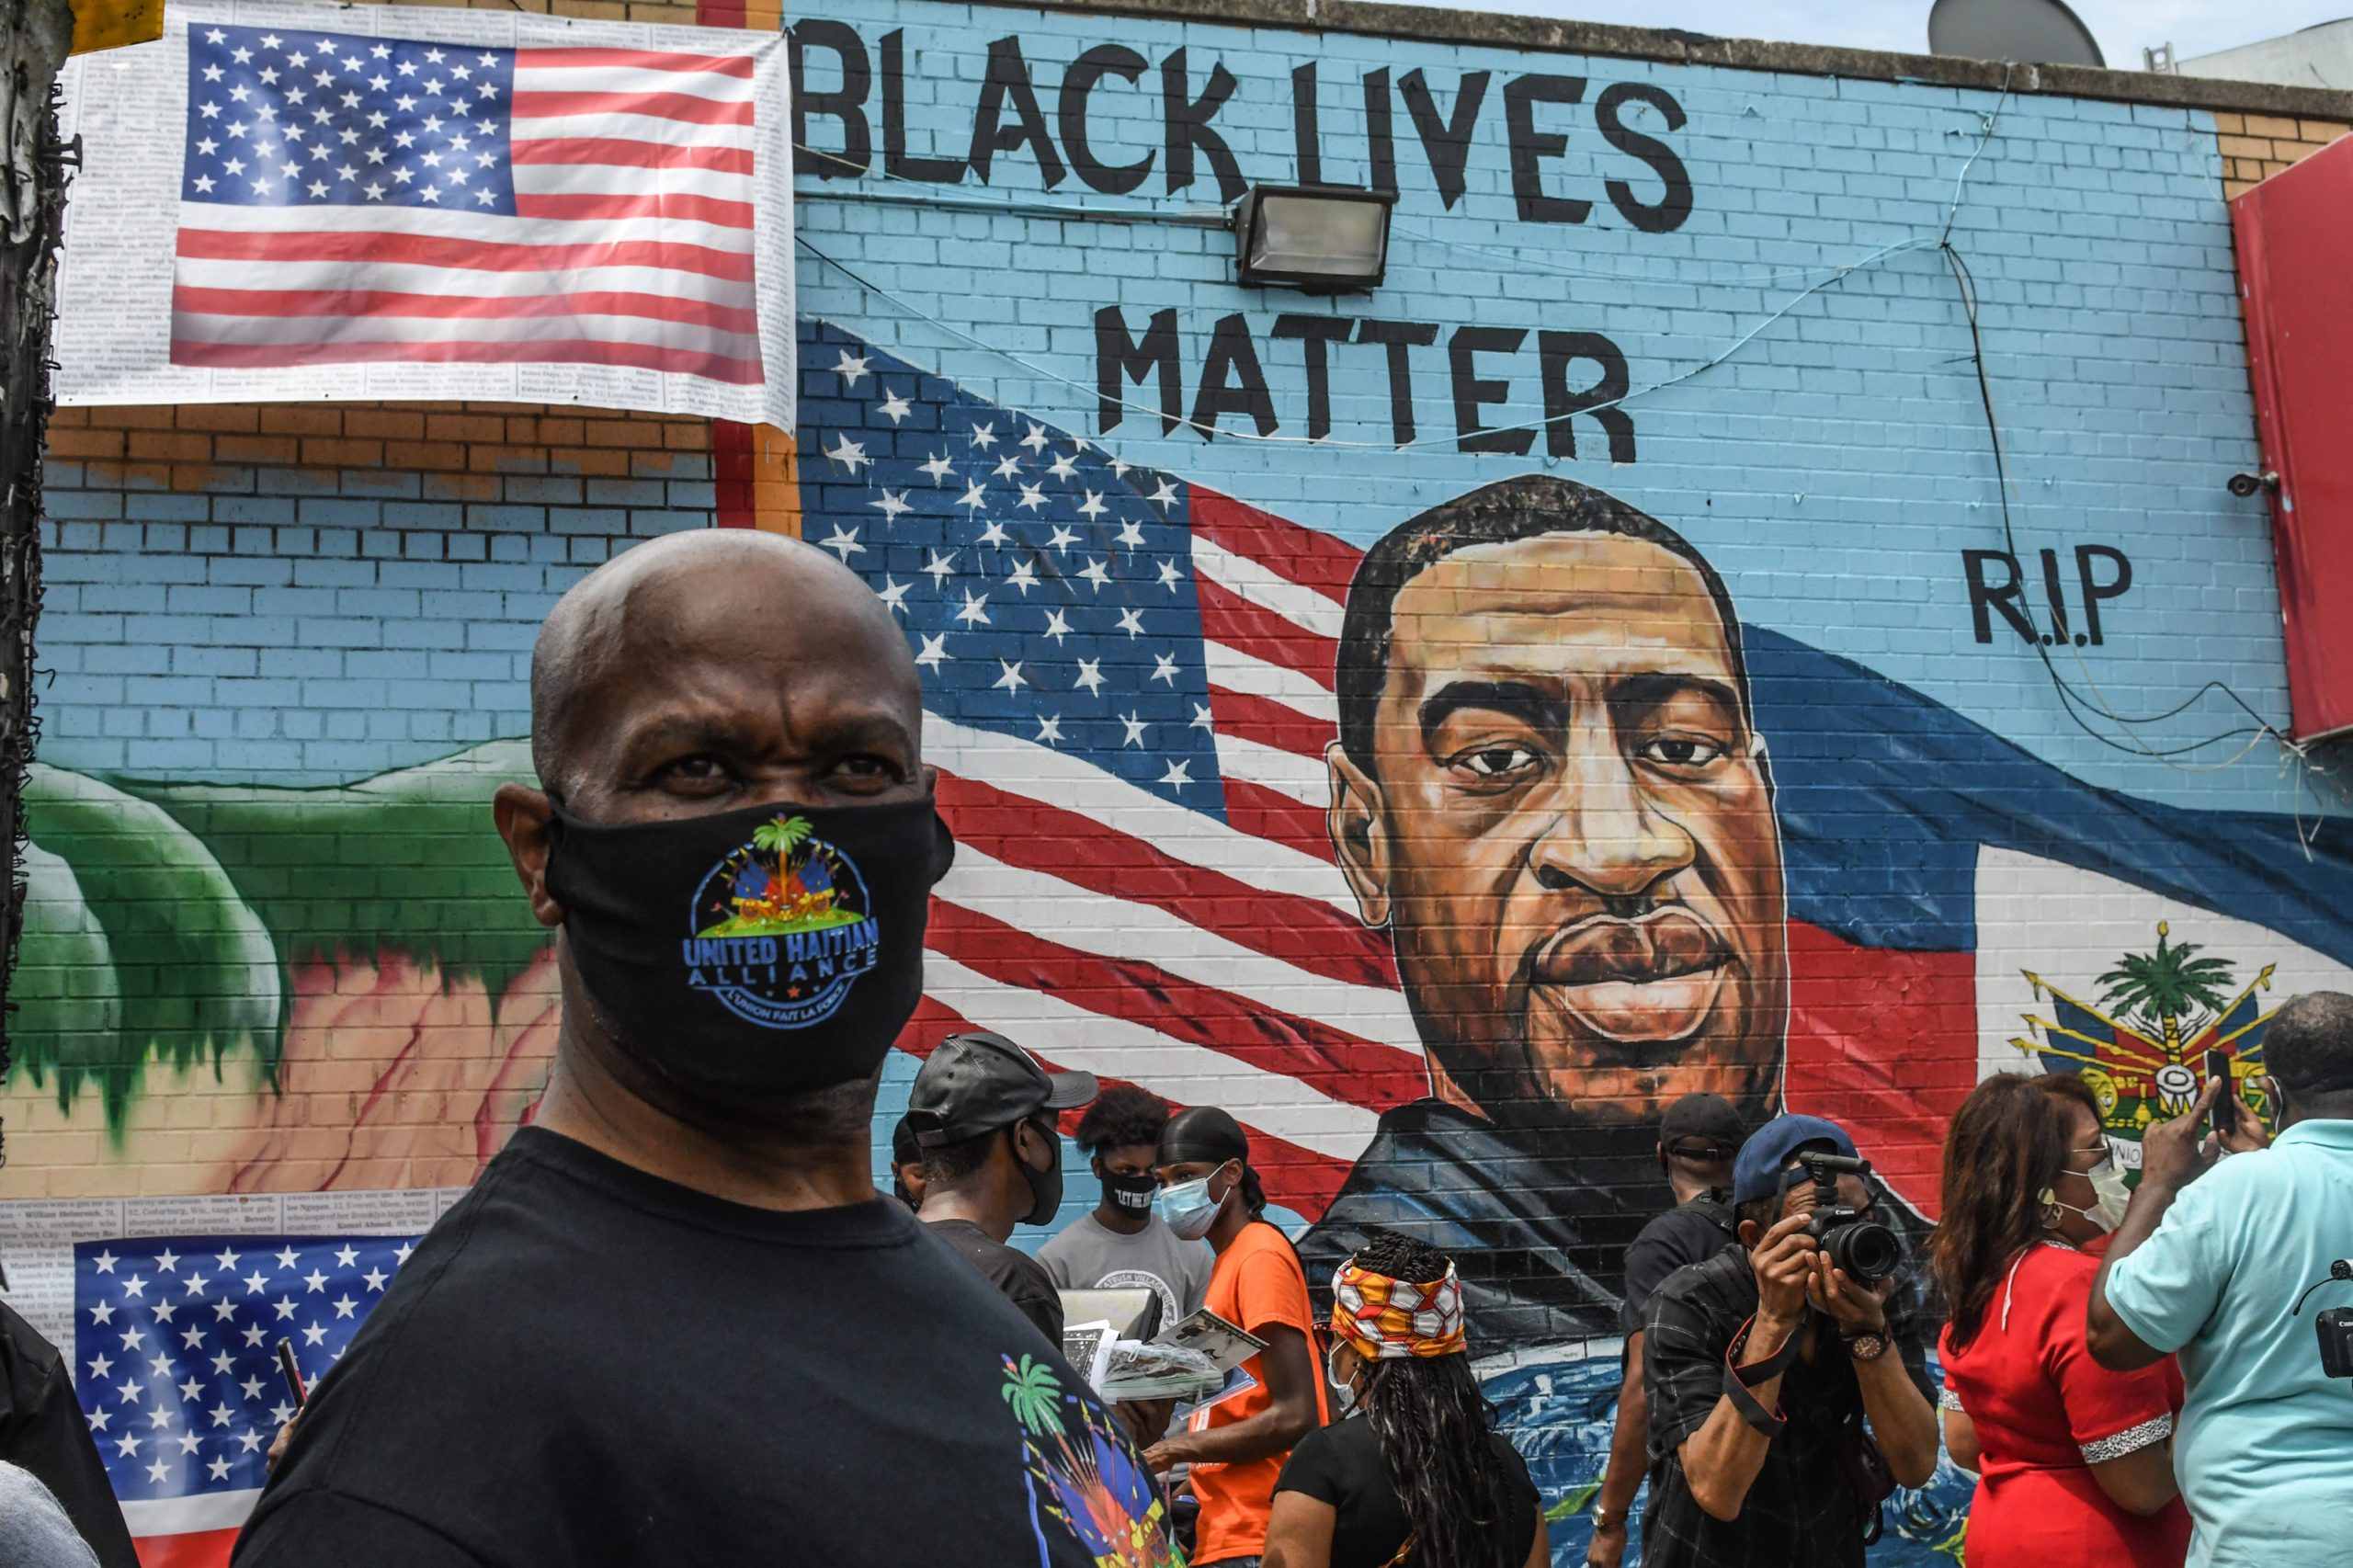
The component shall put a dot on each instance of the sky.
(2124, 27)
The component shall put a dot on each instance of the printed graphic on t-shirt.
(781, 927)
(1142, 1279)
(1083, 1477)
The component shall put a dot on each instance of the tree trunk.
(32, 202)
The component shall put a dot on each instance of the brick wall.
(2257, 146)
(1118, 500)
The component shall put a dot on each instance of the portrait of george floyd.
(1548, 789)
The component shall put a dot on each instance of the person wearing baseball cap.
(1697, 1140)
(982, 1114)
(1782, 1392)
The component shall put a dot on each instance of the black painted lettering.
(2057, 597)
(1446, 139)
(1604, 399)
(1303, 132)
(1187, 121)
(1985, 595)
(1401, 338)
(1381, 138)
(1080, 80)
(1232, 380)
(1671, 208)
(1120, 359)
(846, 103)
(1007, 81)
(2094, 589)
(897, 164)
(1314, 334)
(1473, 396)
(1530, 147)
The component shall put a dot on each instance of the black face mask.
(1129, 1194)
(1046, 1185)
(767, 951)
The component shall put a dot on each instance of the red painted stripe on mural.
(1304, 932)
(731, 471)
(1270, 814)
(1311, 560)
(1228, 618)
(1330, 1061)
(1883, 1042)
(1247, 717)
(1299, 1179)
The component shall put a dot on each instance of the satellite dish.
(2042, 32)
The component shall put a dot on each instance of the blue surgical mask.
(1188, 1209)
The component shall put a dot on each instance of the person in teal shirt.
(2210, 1257)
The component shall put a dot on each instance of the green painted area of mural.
(165, 921)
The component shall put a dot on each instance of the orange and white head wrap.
(1388, 1319)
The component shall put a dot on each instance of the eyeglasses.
(1700, 1153)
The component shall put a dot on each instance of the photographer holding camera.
(2208, 1262)
(1785, 1402)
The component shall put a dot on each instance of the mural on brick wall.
(1440, 726)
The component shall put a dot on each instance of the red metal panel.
(2295, 248)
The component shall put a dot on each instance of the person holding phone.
(2210, 1255)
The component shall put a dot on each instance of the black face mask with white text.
(771, 950)
(1129, 1194)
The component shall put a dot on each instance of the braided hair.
(1434, 1426)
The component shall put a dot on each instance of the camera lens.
(1867, 1252)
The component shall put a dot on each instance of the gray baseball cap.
(977, 1083)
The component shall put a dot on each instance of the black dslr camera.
(1866, 1249)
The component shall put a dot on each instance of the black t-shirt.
(1802, 1507)
(587, 1366)
(1341, 1464)
(1684, 1235)
(1022, 1277)
(42, 1430)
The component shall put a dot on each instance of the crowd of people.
(674, 1323)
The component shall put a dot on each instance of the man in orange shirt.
(1236, 1445)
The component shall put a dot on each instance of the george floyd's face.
(1566, 826)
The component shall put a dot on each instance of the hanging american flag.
(498, 204)
(508, 205)
(176, 1364)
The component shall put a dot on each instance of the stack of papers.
(1199, 1356)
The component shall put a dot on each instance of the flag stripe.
(1255, 582)
(669, 206)
(382, 302)
(1048, 906)
(1306, 933)
(1242, 715)
(1336, 1063)
(540, 58)
(1238, 671)
(685, 107)
(618, 152)
(627, 179)
(332, 278)
(431, 250)
(1273, 817)
(503, 328)
(713, 367)
(1228, 618)
(1311, 560)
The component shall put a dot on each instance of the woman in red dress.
(2075, 1462)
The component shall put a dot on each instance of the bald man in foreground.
(673, 1323)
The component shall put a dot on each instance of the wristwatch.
(1867, 1345)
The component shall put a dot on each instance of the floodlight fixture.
(1324, 239)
